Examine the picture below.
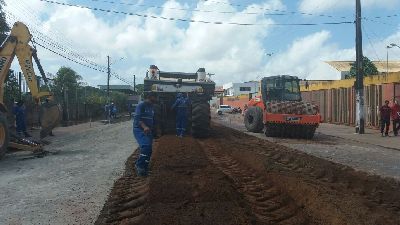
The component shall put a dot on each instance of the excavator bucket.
(50, 116)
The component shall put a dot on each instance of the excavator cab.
(281, 88)
(18, 44)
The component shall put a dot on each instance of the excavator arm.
(17, 45)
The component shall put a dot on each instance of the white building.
(236, 89)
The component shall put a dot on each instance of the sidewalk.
(371, 136)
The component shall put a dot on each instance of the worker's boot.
(140, 171)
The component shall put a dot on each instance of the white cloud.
(318, 6)
(232, 52)
(305, 58)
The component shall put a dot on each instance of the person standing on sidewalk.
(396, 117)
(144, 132)
(385, 113)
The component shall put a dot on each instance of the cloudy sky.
(235, 53)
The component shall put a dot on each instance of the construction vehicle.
(280, 110)
(197, 86)
(17, 44)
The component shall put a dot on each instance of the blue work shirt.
(181, 104)
(19, 112)
(145, 113)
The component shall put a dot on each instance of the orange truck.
(280, 112)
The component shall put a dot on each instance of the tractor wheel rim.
(2, 135)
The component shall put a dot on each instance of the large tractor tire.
(201, 119)
(253, 119)
(4, 135)
(158, 118)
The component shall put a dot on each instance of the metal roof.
(382, 66)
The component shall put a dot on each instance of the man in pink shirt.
(396, 117)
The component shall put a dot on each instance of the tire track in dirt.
(269, 204)
(187, 189)
(126, 202)
(330, 193)
(235, 179)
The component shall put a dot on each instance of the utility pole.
(134, 84)
(108, 89)
(360, 114)
(387, 59)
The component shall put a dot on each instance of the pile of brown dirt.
(232, 178)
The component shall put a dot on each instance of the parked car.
(224, 109)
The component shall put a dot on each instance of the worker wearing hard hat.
(181, 106)
(144, 132)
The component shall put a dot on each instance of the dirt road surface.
(69, 184)
(232, 178)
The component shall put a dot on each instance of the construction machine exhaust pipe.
(50, 117)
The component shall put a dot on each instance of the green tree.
(4, 28)
(140, 88)
(65, 89)
(369, 68)
(66, 81)
(11, 92)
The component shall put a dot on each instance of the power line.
(196, 21)
(42, 38)
(276, 10)
(370, 42)
(188, 10)
(94, 66)
(34, 20)
(48, 41)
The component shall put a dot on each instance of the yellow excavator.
(18, 44)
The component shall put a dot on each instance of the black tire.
(158, 119)
(253, 119)
(310, 132)
(4, 135)
(201, 119)
(269, 132)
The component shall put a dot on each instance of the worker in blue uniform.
(144, 132)
(181, 106)
(20, 120)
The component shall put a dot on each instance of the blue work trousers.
(20, 125)
(181, 120)
(145, 145)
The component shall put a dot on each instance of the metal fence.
(338, 105)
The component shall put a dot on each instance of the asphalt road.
(70, 184)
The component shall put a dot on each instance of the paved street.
(370, 152)
(70, 184)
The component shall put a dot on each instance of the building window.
(245, 88)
